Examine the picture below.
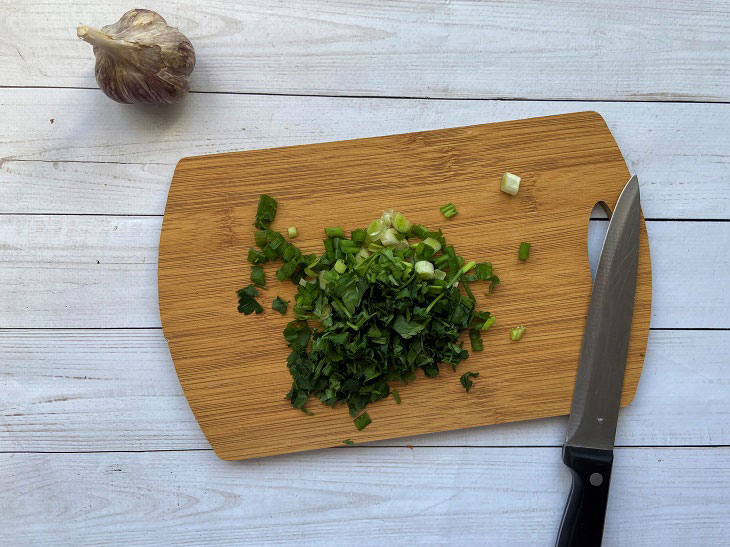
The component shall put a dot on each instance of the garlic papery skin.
(141, 59)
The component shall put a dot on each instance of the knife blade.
(588, 448)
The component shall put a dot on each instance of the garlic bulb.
(140, 59)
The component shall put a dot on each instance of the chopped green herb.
(348, 442)
(266, 212)
(516, 333)
(292, 232)
(256, 257)
(466, 380)
(261, 239)
(448, 210)
(247, 303)
(524, 251)
(362, 421)
(385, 306)
(258, 277)
(307, 411)
(475, 337)
(396, 396)
(335, 231)
(279, 305)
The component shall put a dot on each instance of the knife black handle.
(585, 512)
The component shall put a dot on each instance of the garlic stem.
(98, 38)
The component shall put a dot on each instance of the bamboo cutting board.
(233, 367)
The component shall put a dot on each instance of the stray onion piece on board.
(141, 59)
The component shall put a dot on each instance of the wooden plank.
(50, 277)
(356, 496)
(78, 390)
(679, 151)
(213, 199)
(83, 188)
(627, 50)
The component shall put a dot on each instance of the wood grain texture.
(623, 50)
(231, 368)
(679, 151)
(50, 277)
(356, 496)
(91, 390)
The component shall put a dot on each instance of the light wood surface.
(97, 443)
(356, 496)
(680, 150)
(232, 369)
(553, 49)
(82, 390)
(59, 252)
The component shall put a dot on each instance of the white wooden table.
(97, 443)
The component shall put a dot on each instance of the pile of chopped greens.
(376, 306)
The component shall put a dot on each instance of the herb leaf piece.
(466, 380)
(362, 421)
(266, 212)
(258, 276)
(247, 303)
(279, 305)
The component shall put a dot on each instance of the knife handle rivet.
(596, 479)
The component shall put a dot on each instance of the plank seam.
(408, 97)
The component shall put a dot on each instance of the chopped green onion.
(362, 421)
(448, 210)
(468, 266)
(256, 257)
(419, 231)
(439, 274)
(401, 223)
(475, 337)
(340, 266)
(358, 236)
(433, 302)
(489, 322)
(466, 380)
(396, 396)
(270, 253)
(442, 261)
(292, 232)
(389, 238)
(424, 269)
(387, 218)
(286, 271)
(335, 231)
(516, 333)
(524, 250)
(510, 184)
(376, 229)
(279, 305)
(348, 442)
(261, 239)
(266, 212)
(258, 277)
(433, 243)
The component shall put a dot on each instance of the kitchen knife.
(588, 448)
